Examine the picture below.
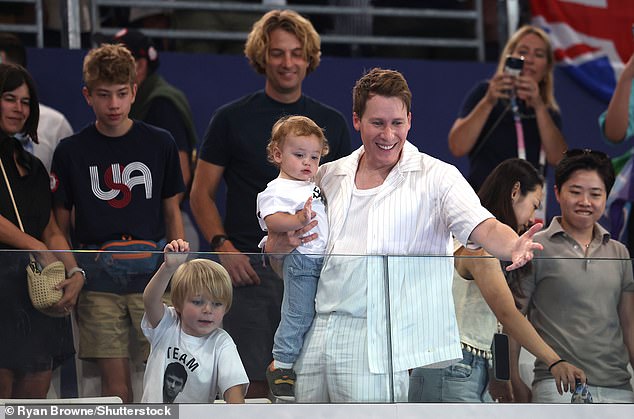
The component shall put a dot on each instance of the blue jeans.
(465, 381)
(301, 274)
(254, 317)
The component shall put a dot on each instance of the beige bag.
(41, 282)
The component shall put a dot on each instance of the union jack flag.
(592, 39)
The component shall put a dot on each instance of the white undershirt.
(347, 273)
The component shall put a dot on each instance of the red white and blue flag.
(592, 39)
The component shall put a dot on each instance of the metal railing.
(37, 27)
(474, 15)
(70, 16)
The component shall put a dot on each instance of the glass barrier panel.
(342, 328)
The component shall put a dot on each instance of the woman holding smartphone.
(485, 129)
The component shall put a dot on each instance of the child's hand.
(174, 252)
(306, 214)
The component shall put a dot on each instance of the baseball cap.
(139, 45)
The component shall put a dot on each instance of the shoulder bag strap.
(15, 207)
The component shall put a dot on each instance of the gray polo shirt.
(572, 301)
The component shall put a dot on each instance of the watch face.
(217, 241)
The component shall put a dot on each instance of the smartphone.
(514, 65)
(501, 361)
(581, 393)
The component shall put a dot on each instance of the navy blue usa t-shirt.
(117, 184)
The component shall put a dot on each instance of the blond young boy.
(188, 335)
(120, 178)
(290, 202)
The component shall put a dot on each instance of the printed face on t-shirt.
(173, 385)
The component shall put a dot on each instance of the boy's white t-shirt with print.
(212, 362)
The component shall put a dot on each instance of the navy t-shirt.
(117, 184)
(498, 139)
(236, 139)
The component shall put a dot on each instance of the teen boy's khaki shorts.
(107, 324)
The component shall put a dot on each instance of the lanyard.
(540, 214)
(521, 145)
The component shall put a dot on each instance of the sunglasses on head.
(586, 151)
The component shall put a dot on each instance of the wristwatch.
(73, 271)
(217, 241)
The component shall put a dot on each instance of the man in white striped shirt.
(404, 204)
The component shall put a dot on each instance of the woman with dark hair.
(512, 193)
(579, 295)
(33, 343)
(485, 129)
(514, 179)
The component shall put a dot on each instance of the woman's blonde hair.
(299, 126)
(258, 42)
(547, 85)
(201, 277)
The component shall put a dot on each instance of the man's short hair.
(13, 48)
(257, 46)
(380, 82)
(201, 277)
(110, 64)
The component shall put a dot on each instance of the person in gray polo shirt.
(581, 304)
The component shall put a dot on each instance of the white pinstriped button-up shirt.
(422, 202)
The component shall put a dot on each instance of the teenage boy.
(158, 102)
(161, 104)
(119, 178)
(284, 47)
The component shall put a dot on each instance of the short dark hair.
(13, 76)
(495, 192)
(380, 82)
(13, 48)
(176, 369)
(585, 160)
